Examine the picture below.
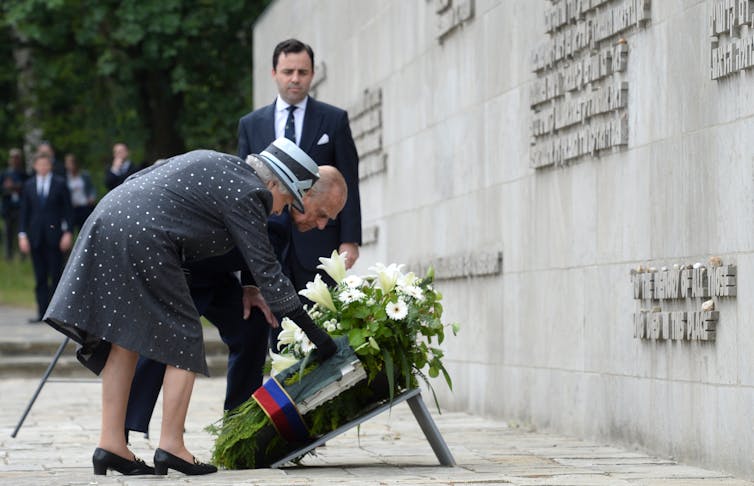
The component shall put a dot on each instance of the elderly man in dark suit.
(45, 228)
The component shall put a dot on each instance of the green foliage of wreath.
(393, 322)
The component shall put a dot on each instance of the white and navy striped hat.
(293, 167)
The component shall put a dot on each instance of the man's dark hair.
(291, 46)
(39, 156)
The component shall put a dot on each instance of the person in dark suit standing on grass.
(45, 228)
(12, 185)
(120, 168)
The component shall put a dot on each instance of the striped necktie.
(290, 125)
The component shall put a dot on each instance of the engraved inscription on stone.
(679, 303)
(451, 14)
(731, 37)
(579, 99)
(366, 127)
(481, 264)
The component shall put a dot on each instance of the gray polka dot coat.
(123, 282)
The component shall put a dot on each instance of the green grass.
(17, 283)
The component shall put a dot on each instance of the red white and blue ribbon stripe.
(282, 411)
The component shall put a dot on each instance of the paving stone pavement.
(55, 444)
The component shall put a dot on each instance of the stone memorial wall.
(533, 152)
(580, 96)
(731, 37)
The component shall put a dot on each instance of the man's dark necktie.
(290, 125)
(41, 194)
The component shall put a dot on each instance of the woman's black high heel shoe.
(164, 460)
(104, 460)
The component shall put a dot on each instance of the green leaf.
(356, 338)
(447, 377)
(390, 372)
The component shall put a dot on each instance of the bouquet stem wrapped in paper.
(388, 328)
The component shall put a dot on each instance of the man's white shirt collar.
(281, 105)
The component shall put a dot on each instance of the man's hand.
(116, 165)
(352, 253)
(66, 241)
(23, 244)
(252, 297)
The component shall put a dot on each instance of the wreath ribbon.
(281, 410)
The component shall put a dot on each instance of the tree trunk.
(161, 110)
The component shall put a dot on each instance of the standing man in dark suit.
(323, 132)
(45, 228)
(120, 168)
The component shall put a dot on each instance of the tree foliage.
(165, 76)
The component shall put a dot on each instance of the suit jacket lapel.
(266, 132)
(312, 122)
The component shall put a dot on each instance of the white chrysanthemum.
(353, 281)
(396, 310)
(331, 325)
(413, 291)
(351, 295)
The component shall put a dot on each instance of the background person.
(45, 148)
(323, 132)
(83, 193)
(12, 183)
(120, 168)
(45, 228)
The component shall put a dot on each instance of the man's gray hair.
(265, 173)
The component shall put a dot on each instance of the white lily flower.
(335, 266)
(319, 293)
(288, 334)
(407, 280)
(396, 310)
(281, 362)
(388, 276)
(351, 295)
(306, 346)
